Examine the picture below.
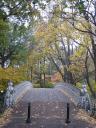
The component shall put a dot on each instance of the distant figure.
(9, 96)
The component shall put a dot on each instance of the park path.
(48, 110)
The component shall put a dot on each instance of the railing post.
(29, 114)
(68, 113)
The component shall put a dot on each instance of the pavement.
(70, 91)
(21, 89)
(48, 110)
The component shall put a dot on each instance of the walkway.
(48, 110)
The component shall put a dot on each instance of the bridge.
(48, 108)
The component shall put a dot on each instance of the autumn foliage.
(15, 74)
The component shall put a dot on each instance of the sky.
(45, 13)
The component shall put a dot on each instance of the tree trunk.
(93, 38)
(57, 67)
(94, 53)
(40, 74)
(31, 74)
(65, 75)
(40, 78)
(44, 80)
(44, 73)
(87, 76)
(71, 80)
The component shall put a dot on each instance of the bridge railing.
(89, 104)
(21, 89)
(93, 107)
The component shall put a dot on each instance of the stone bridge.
(48, 108)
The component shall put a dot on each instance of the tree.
(21, 10)
(12, 43)
(4, 28)
(84, 13)
(80, 14)
(58, 46)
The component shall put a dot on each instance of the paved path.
(45, 95)
(21, 89)
(48, 110)
(70, 91)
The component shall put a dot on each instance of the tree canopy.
(50, 37)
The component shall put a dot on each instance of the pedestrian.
(9, 96)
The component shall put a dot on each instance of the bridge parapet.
(21, 89)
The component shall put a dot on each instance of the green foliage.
(36, 85)
(4, 28)
(35, 1)
(18, 8)
(22, 10)
(47, 85)
(79, 85)
(12, 43)
(80, 6)
(19, 56)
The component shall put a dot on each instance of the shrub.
(36, 85)
(48, 85)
